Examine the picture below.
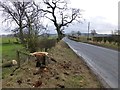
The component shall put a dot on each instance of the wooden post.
(18, 60)
(28, 58)
(18, 56)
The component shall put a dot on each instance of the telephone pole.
(88, 29)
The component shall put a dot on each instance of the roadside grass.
(80, 75)
(102, 44)
(0, 49)
(69, 71)
(106, 45)
(80, 39)
(0, 60)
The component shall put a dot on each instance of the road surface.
(101, 60)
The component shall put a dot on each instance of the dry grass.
(68, 72)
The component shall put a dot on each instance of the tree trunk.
(21, 33)
(32, 46)
(60, 34)
(7, 64)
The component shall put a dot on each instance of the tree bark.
(60, 34)
(21, 33)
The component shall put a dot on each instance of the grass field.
(6, 40)
(9, 48)
(8, 51)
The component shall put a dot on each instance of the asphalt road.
(103, 61)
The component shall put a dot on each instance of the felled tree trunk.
(7, 64)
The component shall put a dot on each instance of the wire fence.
(23, 58)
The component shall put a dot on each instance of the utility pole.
(88, 29)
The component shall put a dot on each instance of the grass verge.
(102, 44)
(68, 72)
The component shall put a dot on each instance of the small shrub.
(45, 43)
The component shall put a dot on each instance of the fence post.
(18, 60)
(28, 57)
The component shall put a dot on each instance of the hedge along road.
(104, 62)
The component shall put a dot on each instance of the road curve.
(103, 61)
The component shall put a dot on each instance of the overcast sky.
(102, 14)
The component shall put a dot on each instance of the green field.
(6, 40)
(8, 50)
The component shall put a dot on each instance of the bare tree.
(93, 32)
(14, 11)
(34, 26)
(27, 16)
(78, 33)
(60, 14)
